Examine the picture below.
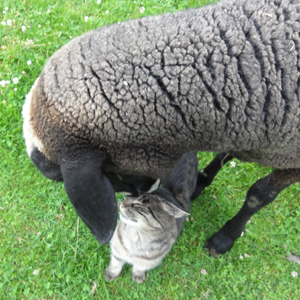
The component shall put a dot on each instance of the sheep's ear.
(125, 194)
(154, 187)
(91, 194)
(173, 211)
(182, 180)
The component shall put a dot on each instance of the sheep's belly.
(285, 160)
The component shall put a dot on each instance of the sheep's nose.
(122, 205)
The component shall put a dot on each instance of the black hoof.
(219, 243)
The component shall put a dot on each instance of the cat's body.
(150, 224)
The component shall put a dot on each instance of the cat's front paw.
(139, 278)
(109, 276)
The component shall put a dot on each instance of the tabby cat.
(150, 224)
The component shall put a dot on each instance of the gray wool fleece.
(220, 78)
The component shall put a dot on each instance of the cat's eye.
(145, 201)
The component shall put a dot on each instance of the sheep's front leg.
(91, 194)
(207, 175)
(114, 269)
(263, 192)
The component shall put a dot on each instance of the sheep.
(115, 109)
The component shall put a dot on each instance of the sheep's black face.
(46, 167)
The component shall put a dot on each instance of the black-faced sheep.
(115, 109)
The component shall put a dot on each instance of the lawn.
(46, 252)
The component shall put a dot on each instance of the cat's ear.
(173, 211)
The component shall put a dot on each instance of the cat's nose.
(124, 204)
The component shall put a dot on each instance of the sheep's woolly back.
(31, 139)
(220, 78)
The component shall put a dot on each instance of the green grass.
(38, 226)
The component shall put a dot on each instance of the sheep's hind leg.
(263, 192)
(207, 175)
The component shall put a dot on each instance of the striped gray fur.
(150, 224)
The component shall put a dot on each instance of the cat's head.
(159, 207)
(150, 210)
